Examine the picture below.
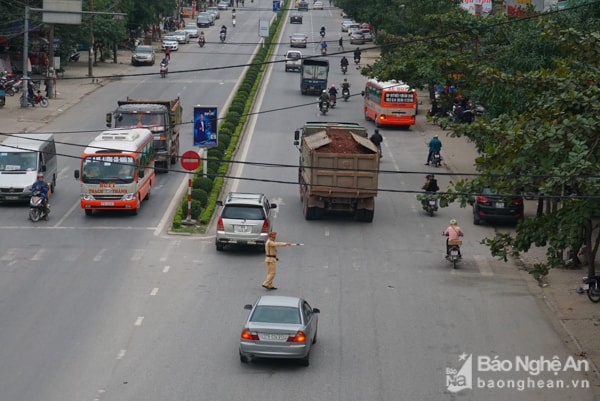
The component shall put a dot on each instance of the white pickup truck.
(293, 60)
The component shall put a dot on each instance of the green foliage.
(200, 195)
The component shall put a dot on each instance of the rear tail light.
(265, 227)
(220, 226)
(300, 337)
(517, 201)
(482, 199)
(249, 335)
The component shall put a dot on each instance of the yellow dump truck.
(338, 170)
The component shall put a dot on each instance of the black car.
(489, 206)
(295, 19)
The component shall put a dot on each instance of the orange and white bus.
(390, 103)
(117, 170)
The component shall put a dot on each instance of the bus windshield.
(96, 169)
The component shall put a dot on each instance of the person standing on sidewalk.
(435, 145)
(376, 138)
(271, 259)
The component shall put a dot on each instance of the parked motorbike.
(346, 94)
(323, 107)
(332, 101)
(74, 57)
(11, 86)
(201, 42)
(430, 204)
(344, 69)
(38, 98)
(36, 207)
(436, 159)
(453, 252)
(164, 70)
(592, 287)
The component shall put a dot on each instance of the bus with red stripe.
(117, 170)
(390, 103)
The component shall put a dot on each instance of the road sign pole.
(189, 198)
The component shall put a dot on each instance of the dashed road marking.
(139, 320)
(483, 265)
(154, 292)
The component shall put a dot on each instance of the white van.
(22, 157)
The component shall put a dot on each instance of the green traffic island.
(206, 190)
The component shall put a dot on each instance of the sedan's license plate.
(107, 203)
(241, 229)
(274, 337)
(12, 198)
(500, 205)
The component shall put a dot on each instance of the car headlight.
(87, 197)
(128, 197)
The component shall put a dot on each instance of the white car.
(318, 5)
(181, 36)
(214, 11)
(293, 60)
(169, 44)
(346, 24)
(192, 30)
(223, 5)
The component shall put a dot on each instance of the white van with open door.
(22, 157)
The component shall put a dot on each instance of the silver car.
(192, 30)
(214, 11)
(279, 327)
(245, 219)
(181, 36)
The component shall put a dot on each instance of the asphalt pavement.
(571, 313)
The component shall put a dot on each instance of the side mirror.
(297, 135)
(43, 168)
(108, 119)
(141, 174)
(76, 174)
(219, 203)
(362, 93)
(248, 307)
(316, 310)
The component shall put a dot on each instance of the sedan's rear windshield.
(276, 314)
(243, 212)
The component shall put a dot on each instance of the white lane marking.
(121, 354)
(137, 254)
(139, 320)
(10, 254)
(74, 255)
(154, 292)
(99, 255)
(39, 255)
(171, 208)
(63, 172)
(483, 265)
(69, 212)
(167, 255)
(166, 269)
(326, 231)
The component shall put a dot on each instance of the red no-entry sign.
(190, 160)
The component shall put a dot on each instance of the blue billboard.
(205, 126)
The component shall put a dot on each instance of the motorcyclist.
(324, 98)
(430, 186)
(453, 232)
(233, 13)
(201, 38)
(322, 31)
(357, 54)
(333, 94)
(323, 47)
(42, 187)
(344, 62)
(435, 145)
(165, 62)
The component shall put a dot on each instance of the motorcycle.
(323, 51)
(223, 36)
(332, 101)
(592, 287)
(430, 205)
(323, 107)
(74, 57)
(201, 42)
(38, 98)
(357, 59)
(164, 70)
(346, 94)
(322, 33)
(2, 96)
(36, 207)
(436, 159)
(344, 69)
(453, 256)
(233, 22)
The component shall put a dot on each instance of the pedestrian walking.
(271, 259)
(376, 138)
(168, 53)
(341, 43)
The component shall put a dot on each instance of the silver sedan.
(279, 327)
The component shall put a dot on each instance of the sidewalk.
(69, 91)
(576, 319)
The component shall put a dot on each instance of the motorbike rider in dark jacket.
(357, 54)
(333, 94)
(42, 187)
(430, 186)
(344, 62)
(324, 98)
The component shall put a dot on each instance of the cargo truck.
(313, 76)
(338, 170)
(162, 117)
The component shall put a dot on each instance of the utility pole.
(91, 56)
(25, 58)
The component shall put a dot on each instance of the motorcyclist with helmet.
(357, 54)
(201, 39)
(344, 63)
(431, 187)
(333, 95)
(322, 31)
(453, 232)
(323, 47)
(223, 33)
(323, 98)
(42, 187)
